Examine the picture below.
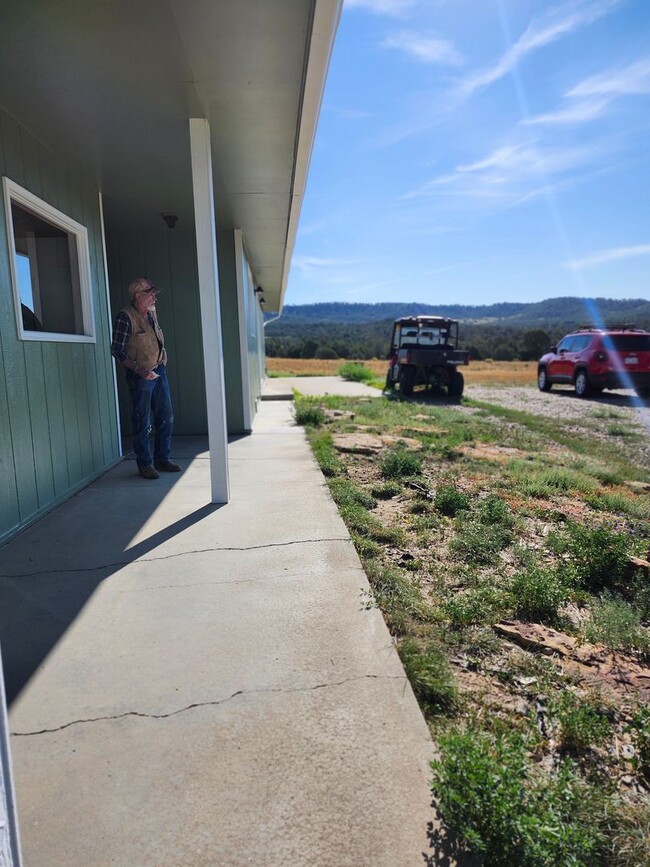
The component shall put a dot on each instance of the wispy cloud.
(590, 99)
(632, 79)
(397, 8)
(579, 112)
(314, 264)
(426, 49)
(557, 22)
(509, 175)
(613, 254)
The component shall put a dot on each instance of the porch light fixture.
(170, 219)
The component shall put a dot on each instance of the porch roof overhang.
(111, 86)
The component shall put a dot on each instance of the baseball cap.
(141, 284)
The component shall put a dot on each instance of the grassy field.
(497, 546)
(477, 373)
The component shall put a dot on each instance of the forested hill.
(501, 331)
(554, 310)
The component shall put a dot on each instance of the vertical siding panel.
(51, 375)
(83, 359)
(95, 398)
(70, 423)
(14, 358)
(33, 352)
(9, 512)
(108, 419)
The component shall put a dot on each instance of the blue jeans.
(151, 402)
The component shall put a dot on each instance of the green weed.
(308, 414)
(584, 724)
(355, 372)
(595, 558)
(386, 491)
(400, 463)
(617, 625)
(639, 729)
(325, 453)
(538, 593)
(478, 543)
(430, 675)
(490, 797)
(450, 500)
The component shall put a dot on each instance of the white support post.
(206, 250)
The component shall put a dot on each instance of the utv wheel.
(643, 393)
(543, 382)
(582, 384)
(407, 380)
(456, 384)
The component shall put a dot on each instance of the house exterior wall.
(168, 257)
(230, 332)
(58, 425)
(254, 335)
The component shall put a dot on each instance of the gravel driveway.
(615, 416)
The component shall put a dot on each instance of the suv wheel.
(582, 384)
(543, 382)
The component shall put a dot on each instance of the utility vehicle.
(424, 351)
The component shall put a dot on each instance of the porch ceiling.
(110, 86)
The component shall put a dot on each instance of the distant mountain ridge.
(569, 311)
(503, 331)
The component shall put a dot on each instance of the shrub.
(583, 724)
(450, 500)
(639, 729)
(493, 510)
(616, 624)
(399, 463)
(596, 557)
(430, 675)
(479, 544)
(308, 414)
(474, 607)
(491, 798)
(538, 593)
(355, 372)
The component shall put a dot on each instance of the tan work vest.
(146, 344)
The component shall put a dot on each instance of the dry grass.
(478, 372)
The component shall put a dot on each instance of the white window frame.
(13, 192)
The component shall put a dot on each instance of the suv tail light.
(600, 355)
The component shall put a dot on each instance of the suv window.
(566, 344)
(581, 342)
(627, 342)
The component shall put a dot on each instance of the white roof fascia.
(324, 26)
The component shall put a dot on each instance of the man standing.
(139, 345)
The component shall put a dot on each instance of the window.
(50, 267)
(566, 344)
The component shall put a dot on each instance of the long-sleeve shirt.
(121, 334)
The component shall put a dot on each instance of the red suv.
(593, 359)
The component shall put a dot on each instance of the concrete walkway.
(282, 387)
(201, 685)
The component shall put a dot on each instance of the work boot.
(148, 473)
(167, 467)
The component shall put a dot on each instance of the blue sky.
(476, 151)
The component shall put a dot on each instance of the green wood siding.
(58, 425)
(230, 331)
(168, 257)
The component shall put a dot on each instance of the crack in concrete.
(239, 692)
(353, 572)
(120, 563)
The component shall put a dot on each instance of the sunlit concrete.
(204, 685)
